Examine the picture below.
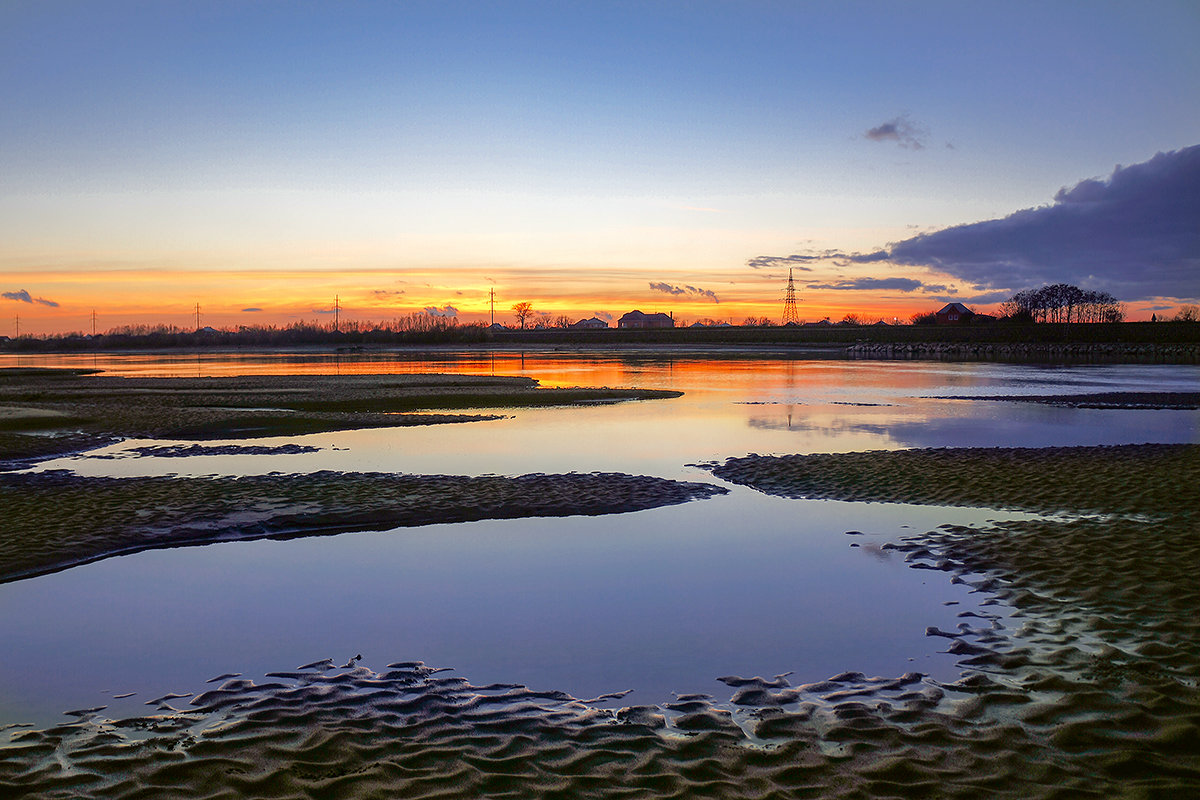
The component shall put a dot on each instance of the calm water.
(657, 601)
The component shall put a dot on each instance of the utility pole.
(337, 310)
(492, 296)
(93, 323)
(197, 316)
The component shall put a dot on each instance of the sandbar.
(56, 519)
(54, 412)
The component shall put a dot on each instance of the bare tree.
(522, 311)
(1188, 314)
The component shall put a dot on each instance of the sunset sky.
(261, 158)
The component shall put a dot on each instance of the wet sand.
(48, 412)
(56, 519)
(1083, 684)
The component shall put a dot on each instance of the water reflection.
(656, 601)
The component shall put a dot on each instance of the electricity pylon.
(789, 303)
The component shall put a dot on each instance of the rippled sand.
(1084, 683)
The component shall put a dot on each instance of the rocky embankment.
(1062, 351)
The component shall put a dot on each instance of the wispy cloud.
(383, 294)
(793, 261)
(878, 284)
(900, 130)
(659, 286)
(445, 311)
(1134, 234)
(23, 296)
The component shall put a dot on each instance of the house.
(954, 314)
(594, 322)
(636, 319)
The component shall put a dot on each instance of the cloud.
(793, 261)
(1133, 234)
(900, 130)
(251, 309)
(604, 315)
(836, 256)
(985, 299)
(878, 284)
(658, 286)
(384, 293)
(445, 311)
(323, 310)
(23, 296)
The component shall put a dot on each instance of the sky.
(263, 158)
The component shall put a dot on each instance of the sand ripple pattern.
(1144, 478)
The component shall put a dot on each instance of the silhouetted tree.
(522, 311)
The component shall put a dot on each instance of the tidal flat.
(1089, 689)
(1078, 668)
(77, 409)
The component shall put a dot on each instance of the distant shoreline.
(1127, 342)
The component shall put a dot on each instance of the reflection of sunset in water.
(658, 601)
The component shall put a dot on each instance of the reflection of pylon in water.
(789, 303)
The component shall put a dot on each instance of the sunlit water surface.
(657, 601)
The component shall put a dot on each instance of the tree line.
(1061, 302)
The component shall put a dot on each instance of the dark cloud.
(900, 130)
(251, 309)
(985, 299)
(323, 310)
(878, 284)
(658, 286)
(384, 293)
(23, 296)
(445, 311)
(1134, 234)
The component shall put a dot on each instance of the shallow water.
(657, 601)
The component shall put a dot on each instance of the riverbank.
(1110, 342)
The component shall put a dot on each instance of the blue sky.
(269, 154)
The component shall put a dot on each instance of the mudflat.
(48, 412)
(1083, 683)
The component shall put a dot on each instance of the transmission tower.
(789, 303)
